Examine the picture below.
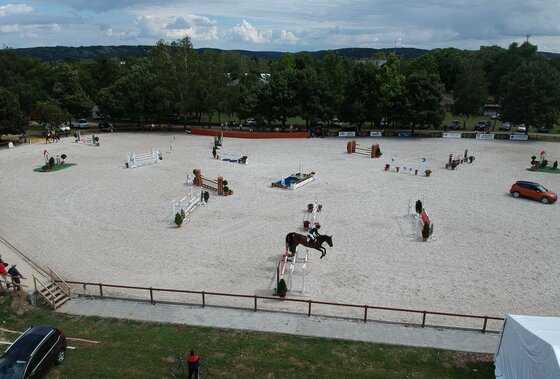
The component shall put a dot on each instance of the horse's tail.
(289, 240)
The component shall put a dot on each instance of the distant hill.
(88, 53)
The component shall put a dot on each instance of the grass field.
(145, 350)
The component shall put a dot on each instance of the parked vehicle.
(505, 127)
(533, 191)
(522, 128)
(543, 129)
(483, 125)
(64, 127)
(82, 123)
(106, 126)
(33, 353)
(250, 122)
(455, 125)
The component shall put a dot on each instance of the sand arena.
(491, 254)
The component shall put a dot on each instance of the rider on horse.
(313, 233)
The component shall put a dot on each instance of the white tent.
(529, 348)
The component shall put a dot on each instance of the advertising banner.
(452, 135)
(375, 134)
(404, 134)
(484, 136)
(519, 137)
(347, 134)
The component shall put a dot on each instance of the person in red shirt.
(193, 359)
(3, 272)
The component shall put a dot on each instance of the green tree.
(362, 95)
(470, 91)
(532, 94)
(70, 94)
(173, 61)
(50, 112)
(11, 116)
(423, 93)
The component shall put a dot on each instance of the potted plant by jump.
(282, 288)
(178, 219)
(62, 157)
(425, 232)
(96, 139)
(309, 208)
(428, 172)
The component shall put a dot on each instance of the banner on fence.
(452, 135)
(519, 137)
(404, 134)
(484, 136)
(347, 134)
(375, 134)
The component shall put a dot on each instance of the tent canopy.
(529, 348)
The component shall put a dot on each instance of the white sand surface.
(98, 221)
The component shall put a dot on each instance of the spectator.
(3, 272)
(193, 360)
(13, 271)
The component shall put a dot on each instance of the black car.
(543, 129)
(483, 125)
(455, 125)
(33, 353)
(505, 127)
(106, 126)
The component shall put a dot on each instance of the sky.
(282, 25)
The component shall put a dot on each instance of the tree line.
(384, 91)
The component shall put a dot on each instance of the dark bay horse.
(294, 239)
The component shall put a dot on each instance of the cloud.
(248, 33)
(286, 38)
(11, 10)
(196, 27)
(290, 24)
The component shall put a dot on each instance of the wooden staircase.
(55, 292)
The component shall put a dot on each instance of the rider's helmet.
(317, 225)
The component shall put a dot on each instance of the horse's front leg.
(323, 252)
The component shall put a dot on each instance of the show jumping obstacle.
(408, 167)
(187, 204)
(134, 160)
(292, 262)
(213, 185)
(294, 181)
(456, 160)
(353, 148)
(232, 156)
(420, 219)
(85, 140)
(310, 217)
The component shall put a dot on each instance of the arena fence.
(263, 303)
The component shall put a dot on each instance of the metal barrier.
(309, 303)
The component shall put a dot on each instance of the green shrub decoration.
(282, 288)
(206, 196)
(51, 162)
(178, 218)
(426, 230)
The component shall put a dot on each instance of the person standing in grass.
(193, 360)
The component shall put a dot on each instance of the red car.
(533, 191)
